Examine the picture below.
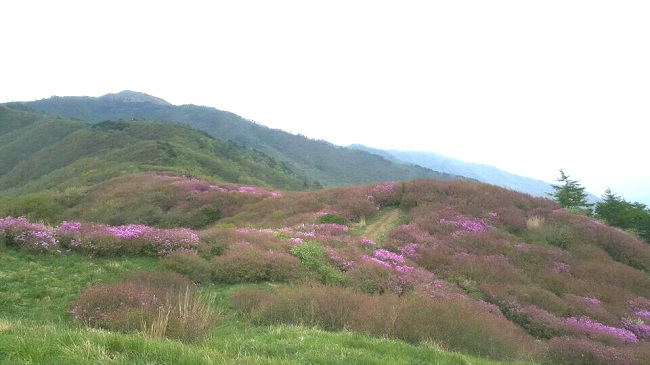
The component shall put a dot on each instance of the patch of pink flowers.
(638, 327)
(489, 307)
(91, 237)
(69, 227)
(388, 256)
(560, 267)
(367, 241)
(591, 301)
(643, 314)
(410, 250)
(388, 259)
(592, 327)
(466, 224)
(341, 262)
(29, 236)
(128, 231)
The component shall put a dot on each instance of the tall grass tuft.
(535, 222)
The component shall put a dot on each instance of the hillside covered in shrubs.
(470, 267)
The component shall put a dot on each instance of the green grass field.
(36, 292)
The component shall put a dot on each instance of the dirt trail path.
(387, 219)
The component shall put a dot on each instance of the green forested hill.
(38, 153)
(312, 160)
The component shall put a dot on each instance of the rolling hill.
(476, 269)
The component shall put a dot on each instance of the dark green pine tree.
(571, 194)
(618, 212)
(612, 209)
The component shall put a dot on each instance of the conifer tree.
(571, 194)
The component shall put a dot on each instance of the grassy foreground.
(36, 292)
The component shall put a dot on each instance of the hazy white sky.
(526, 86)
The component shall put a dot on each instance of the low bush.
(189, 264)
(157, 304)
(313, 256)
(331, 218)
(247, 264)
(375, 278)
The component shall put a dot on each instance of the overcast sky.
(530, 87)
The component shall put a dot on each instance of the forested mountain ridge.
(312, 160)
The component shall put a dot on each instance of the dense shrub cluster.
(244, 263)
(455, 323)
(473, 267)
(157, 304)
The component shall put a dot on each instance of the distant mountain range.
(480, 172)
(318, 162)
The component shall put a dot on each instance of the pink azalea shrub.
(637, 326)
(600, 331)
(28, 236)
(133, 239)
(386, 271)
(466, 224)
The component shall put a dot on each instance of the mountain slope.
(313, 160)
(471, 267)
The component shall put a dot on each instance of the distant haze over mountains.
(480, 172)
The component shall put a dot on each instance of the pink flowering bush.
(96, 239)
(466, 224)
(21, 233)
(600, 331)
(367, 241)
(132, 239)
(410, 250)
(386, 271)
(636, 326)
